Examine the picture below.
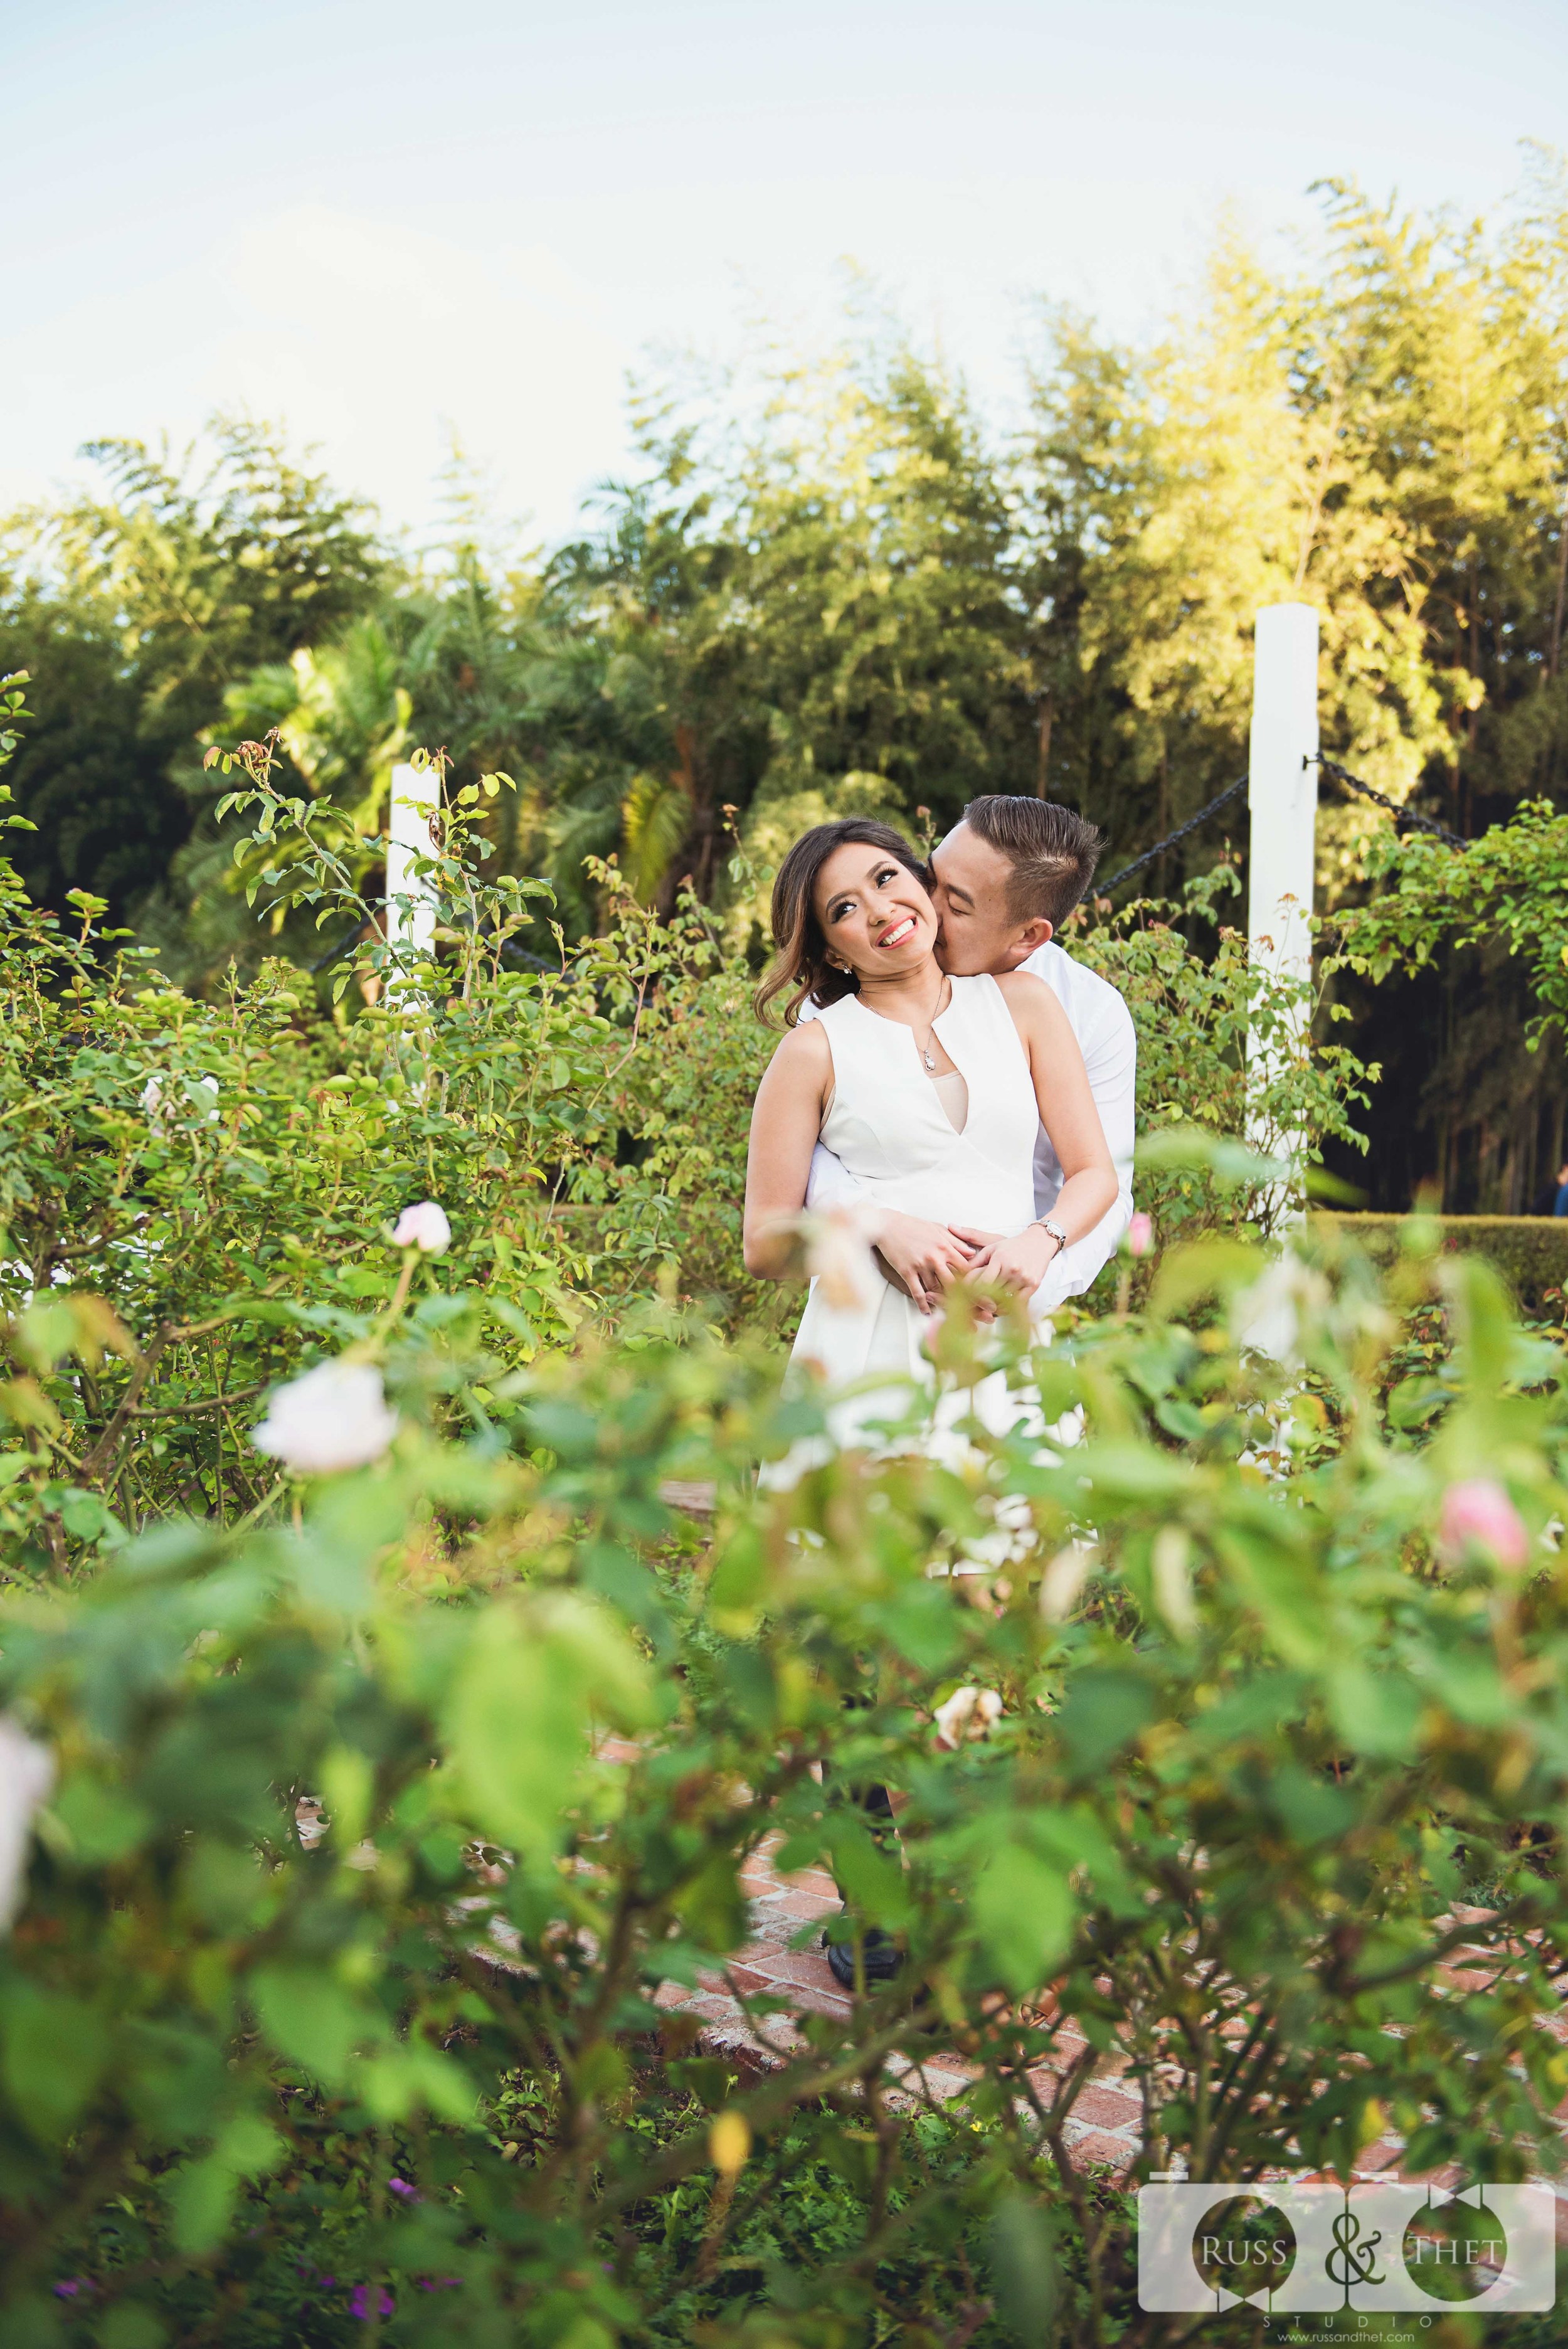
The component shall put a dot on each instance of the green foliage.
(211, 572)
(136, 609)
(1252, 1751)
(1530, 1253)
(93, 773)
(1225, 1142)
(1507, 887)
(1380, 433)
(388, 1802)
(191, 1189)
(811, 612)
(1462, 951)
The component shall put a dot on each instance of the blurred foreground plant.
(1272, 1703)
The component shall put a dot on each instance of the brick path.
(1103, 2128)
(1105, 2123)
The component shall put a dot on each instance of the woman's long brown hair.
(800, 949)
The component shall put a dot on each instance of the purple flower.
(359, 2304)
(71, 2286)
(401, 2186)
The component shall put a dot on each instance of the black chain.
(1336, 773)
(1104, 888)
(1404, 815)
(1329, 767)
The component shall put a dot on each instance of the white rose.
(425, 1228)
(335, 1416)
(26, 1775)
(967, 1712)
(837, 1255)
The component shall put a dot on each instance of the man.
(1003, 881)
(1552, 1199)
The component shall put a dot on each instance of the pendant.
(928, 1057)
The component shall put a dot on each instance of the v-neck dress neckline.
(887, 1123)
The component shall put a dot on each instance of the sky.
(390, 225)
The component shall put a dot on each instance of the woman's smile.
(876, 917)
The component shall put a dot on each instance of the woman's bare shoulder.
(802, 1055)
(1027, 997)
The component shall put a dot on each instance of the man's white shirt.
(1103, 1026)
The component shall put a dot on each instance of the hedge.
(1531, 1252)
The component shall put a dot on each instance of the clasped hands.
(924, 1259)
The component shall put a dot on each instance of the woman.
(930, 1089)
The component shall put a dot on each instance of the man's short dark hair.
(1053, 852)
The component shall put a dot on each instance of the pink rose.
(1480, 1512)
(1140, 1235)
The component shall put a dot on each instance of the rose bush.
(196, 1197)
(383, 1740)
(1226, 1788)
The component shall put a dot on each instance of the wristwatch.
(1050, 1224)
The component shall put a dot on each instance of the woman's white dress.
(887, 1122)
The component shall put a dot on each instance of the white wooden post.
(1282, 796)
(410, 927)
(1282, 788)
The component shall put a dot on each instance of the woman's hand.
(921, 1258)
(1020, 1263)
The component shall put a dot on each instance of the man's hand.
(1020, 1263)
(921, 1257)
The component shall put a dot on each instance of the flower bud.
(424, 1228)
(1064, 1579)
(729, 2142)
(1478, 1512)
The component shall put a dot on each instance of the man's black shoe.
(881, 1958)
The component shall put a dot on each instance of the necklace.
(926, 1054)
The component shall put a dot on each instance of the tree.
(93, 773)
(137, 608)
(809, 611)
(1385, 436)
